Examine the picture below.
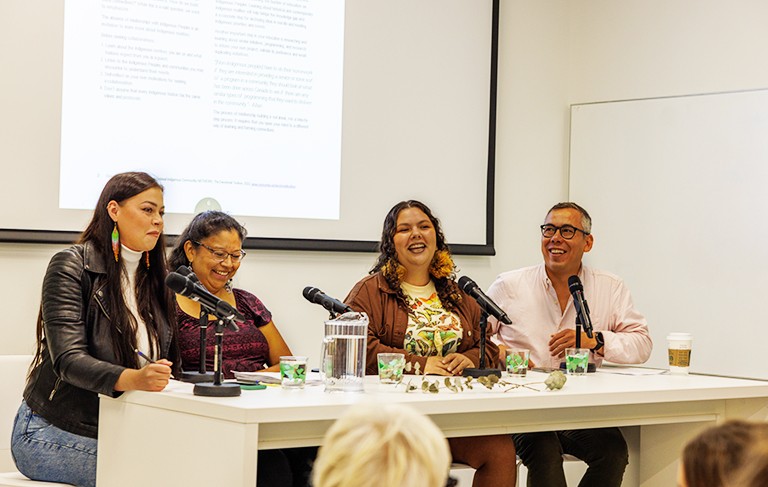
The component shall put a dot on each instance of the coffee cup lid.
(679, 336)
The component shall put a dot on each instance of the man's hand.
(567, 339)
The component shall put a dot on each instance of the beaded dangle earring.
(147, 254)
(116, 242)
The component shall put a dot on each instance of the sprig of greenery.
(555, 381)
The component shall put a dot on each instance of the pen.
(144, 356)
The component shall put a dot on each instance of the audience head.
(565, 237)
(713, 457)
(374, 445)
(212, 246)
(754, 471)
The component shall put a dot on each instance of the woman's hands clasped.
(451, 364)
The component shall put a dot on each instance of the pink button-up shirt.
(529, 299)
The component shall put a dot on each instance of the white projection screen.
(305, 119)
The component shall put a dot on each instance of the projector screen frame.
(14, 235)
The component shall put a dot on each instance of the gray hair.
(586, 220)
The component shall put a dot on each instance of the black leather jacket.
(78, 360)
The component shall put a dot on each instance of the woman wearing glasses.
(212, 247)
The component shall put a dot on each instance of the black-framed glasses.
(221, 255)
(566, 231)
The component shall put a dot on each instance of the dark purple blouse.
(246, 350)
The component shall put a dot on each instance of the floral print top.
(432, 330)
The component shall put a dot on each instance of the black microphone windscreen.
(466, 284)
(176, 282)
(574, 284)
(310, 292)
(187, 272)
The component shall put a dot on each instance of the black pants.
(290, 467)
(603, 449)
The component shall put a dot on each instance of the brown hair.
(713, 457)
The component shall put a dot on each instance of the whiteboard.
(678, 191)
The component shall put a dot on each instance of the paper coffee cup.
(679, 346)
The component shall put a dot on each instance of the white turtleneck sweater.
(131, 260)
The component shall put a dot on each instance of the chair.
(13, 372)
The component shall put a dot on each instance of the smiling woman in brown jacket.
(416, 308)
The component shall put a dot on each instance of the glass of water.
(391, 366)
(576, 361)
(293, 371)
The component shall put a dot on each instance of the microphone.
(186, 286)
(582, 309)
(470, 287)
(314, 295)
(187, 272)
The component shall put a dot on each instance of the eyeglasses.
(221, 255)
(566, 231)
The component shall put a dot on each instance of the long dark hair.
(152, 296)
(441, 270)
(202, 226)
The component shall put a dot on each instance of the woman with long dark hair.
(416, 308)
(104, 300)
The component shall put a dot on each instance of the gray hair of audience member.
(586, 220)
(716, 455)
(375, 445)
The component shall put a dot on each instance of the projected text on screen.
(234, 103)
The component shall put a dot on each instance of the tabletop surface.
(275, 404)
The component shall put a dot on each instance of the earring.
(147, 254)
(116, 242)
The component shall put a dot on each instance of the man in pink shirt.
(539, 302)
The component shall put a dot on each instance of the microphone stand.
(201, 375)
(481, 371)
(217, 388)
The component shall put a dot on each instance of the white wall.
(552, 54)
(530, 172)
(650, 48)
(656, 48)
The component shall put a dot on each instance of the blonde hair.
(382, 446)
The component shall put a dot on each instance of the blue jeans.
(44, 452)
